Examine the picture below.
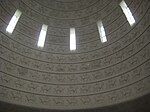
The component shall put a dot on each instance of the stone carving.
(125, 78)
(126, 93)
(2, 51)
(58, 90)
(85, 89)
(72, 90)
(4, 79)
(59, 78)
(58, 101)
(47, 78)
(95, 74)
(111, 83)
(32, 87)
(16, 96)
(85, 100)
(5, 41)
(22, 72)
(45, 89)
(8, 67)
(19, 84)
(113, 97)
(72, 101)
(3, 93)
(99, 99)
(30, 98)
(45, 100)
(98, 87)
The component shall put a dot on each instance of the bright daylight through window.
(13, 21)
(42, 36)
(72, 39)
(101, 31)
(127, 13)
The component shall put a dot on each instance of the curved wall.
(95, 75)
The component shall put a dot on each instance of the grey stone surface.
(95, 75)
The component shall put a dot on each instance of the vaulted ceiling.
(95, 75)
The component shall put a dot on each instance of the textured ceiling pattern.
(95, 75)
(138, 105)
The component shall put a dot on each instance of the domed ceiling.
(95, 74)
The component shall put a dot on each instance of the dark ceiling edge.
(141, 104)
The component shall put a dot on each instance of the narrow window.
(13, 21)
(127, 13)
(42, 36)
(101, 31)
(72, 39)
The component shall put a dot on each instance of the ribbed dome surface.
(95, 74)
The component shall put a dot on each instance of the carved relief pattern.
(95, 75)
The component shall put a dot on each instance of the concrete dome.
(95, 75)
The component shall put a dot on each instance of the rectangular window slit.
(101, 31)
(72, 39)
(127, 13)
(13, 21)
(42, 36)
